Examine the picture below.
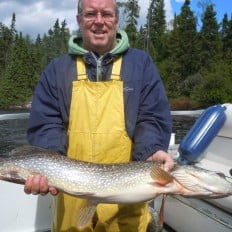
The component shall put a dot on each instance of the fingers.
(169, 164)
(165, 158)
(43, 186)
(53, 191)
(38, 185)
(28, 184)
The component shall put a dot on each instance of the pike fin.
(28, 149)
(160, 176)
(85, 214)
(161, 217)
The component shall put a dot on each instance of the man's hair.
(80, 8)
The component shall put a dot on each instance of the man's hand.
(38, 185)
(163, 157)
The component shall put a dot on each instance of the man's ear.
(78, 18)
(117, 24)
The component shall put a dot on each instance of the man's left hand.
(163, 157)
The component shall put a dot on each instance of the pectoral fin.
(85, 214)
(160, 176)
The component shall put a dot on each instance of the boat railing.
(14, 116)
(26, 115)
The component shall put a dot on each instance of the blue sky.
(37, 16)
(220, 6)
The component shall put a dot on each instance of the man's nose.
(99, 18)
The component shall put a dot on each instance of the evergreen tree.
(183, 50)
(3, 48)
(209, 39)
(132, 8)
(20, 80)
(56, 42)
(7, 36)
(156, 27)
(226, 37)
(142, 36)
(64, 37)
(13, 27)
(215, 87)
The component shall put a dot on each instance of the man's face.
(98, 24)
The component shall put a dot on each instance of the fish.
(120, 183)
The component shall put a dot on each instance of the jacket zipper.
(99, 67)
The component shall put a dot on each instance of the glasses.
(107, 16)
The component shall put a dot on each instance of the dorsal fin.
(160, 176)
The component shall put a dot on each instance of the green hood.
(75, 44)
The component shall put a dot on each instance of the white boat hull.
(23, 213)
(191, 215)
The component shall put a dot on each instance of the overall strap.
(116, 69)
(81, 71)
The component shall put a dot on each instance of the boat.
(214, 215)
(28, 213)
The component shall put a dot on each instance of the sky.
(38, 16)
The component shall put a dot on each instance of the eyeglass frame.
(90, 16)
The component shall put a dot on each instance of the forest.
(193, 54)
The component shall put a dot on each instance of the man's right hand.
(38, 185)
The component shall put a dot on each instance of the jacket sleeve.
(153, 125)
(46, 128)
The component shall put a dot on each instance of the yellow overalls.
(97, 134)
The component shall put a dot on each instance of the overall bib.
(97, 134)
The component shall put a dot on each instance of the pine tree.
(7, 36)
(226, 37)
(141, 38)
(64, 37)
(132, 8)
(13, 27)
(209, 39)
(183, 50)
(156, 27)
(19, 81)
(56, 42)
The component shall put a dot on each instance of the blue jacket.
(147, 114)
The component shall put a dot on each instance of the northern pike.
(132, 182)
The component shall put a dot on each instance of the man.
(103, 103)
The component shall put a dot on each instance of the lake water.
(13, 132)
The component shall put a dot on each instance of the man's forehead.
(99, 3)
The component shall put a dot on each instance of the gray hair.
(80, 8)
